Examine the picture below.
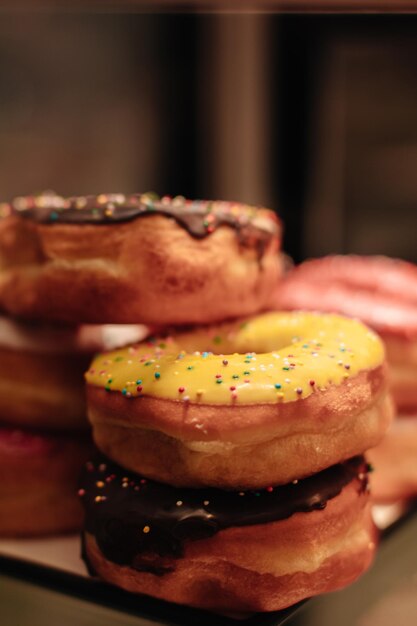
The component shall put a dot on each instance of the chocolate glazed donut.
(207, 547)
(128, 259)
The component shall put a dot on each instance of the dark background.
(314, 116)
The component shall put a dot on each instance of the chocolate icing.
(198, 217)
(144, 524)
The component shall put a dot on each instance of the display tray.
(56, 563)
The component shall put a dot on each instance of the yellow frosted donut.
(243, 404)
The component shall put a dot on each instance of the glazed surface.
(198, 217)
(130, 515)
(380, 291)
(276, 357)
(64, 339)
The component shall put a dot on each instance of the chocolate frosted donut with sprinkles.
(243, 404)
(228, 551)
(137, 258)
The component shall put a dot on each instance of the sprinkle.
(206, 502)
(124, 391)
(157, 375)
(138, 382)
(146, 529)
(241, 493)
(347, 367)
(200, 392)
(219, 381)
(81, 492)
(100, 498)
(109, 382)
(225, 362)
(280, 395)
(277, 386)
(102, 467)
(286, 369)
(181, 389)
(235, 376)
(218, 375)
(270, 489)
(186, 399)
(139, 388)
(107, 388)
(312, 383)
(299, 391)
(190, 367)
(234, 395)
(246, 373)
(179, 503)
(100, 484)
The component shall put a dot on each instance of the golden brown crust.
(38, 487)
(402, 358)
(148, 270)
(394, 460)
(42, 390)
(262, 567)
(249, 446)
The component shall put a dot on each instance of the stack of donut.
(240, 484)
(229, 474)
(76, 275)
(382, 292)
(44, 431)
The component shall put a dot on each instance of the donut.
(117, 258)
(39, 477)
(380, 291)
(244, 404)
(394, 460)
(229, 552)
(42, 366)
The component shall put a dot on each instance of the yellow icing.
(276, 357)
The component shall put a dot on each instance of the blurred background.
(312, 115)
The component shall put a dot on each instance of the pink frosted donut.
(38, 487)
